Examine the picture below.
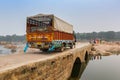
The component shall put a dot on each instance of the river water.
(4, 51)
(107, 68)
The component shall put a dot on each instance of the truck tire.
(62, 49)
(44, 50)
(71, 47)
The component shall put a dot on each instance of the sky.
(84, 15)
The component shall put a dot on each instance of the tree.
(109, 35)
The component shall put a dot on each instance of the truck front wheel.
(71, 47)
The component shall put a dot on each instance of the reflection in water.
(4, 51)
(106, 68)
(78, 69)
(98, 57)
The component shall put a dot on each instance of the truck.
(49, 33)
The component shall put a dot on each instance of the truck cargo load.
(48, 32)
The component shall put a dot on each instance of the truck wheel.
(44, 50)
(71, 47)
(62, 49)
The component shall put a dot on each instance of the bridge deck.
(16, 60)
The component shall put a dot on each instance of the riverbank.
(106, 49)
(11, 48)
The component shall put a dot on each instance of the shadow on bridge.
(79, 67)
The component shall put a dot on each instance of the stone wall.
(58, 68)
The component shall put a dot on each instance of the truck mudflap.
(52, 48)
(26, 47)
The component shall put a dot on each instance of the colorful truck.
(48, 33)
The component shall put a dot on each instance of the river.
(4, 51)
(107, 68)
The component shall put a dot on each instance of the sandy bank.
(106, 49)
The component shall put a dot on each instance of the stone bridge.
(67, 65)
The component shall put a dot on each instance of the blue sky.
(84, 15)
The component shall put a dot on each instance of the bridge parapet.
(59, 67)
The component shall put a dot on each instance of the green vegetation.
(13, 38)
(109, 36)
